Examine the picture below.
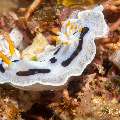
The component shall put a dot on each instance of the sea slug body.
(56, 64)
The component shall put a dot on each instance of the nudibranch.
(56, 64)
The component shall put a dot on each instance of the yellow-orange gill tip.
(4, 58)
(10, 42)
(68, 24)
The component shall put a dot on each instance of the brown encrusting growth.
(32, 8)
(95, 95)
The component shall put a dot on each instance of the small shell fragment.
(115, 58)
(33, 51)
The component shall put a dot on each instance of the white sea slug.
(70, 57)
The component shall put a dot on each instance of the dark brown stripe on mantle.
(32, 72)
(78, 49)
